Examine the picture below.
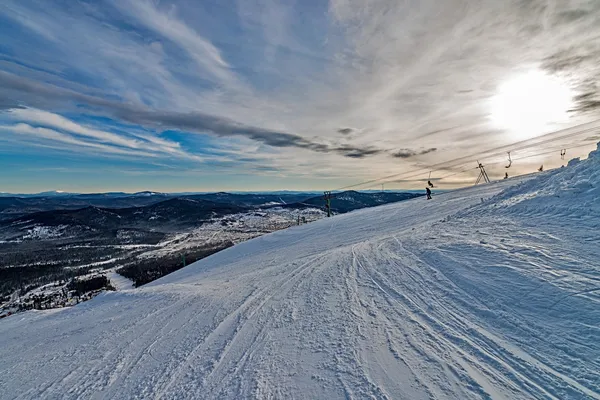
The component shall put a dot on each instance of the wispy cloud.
(192, 121)
(55, 136)
(54, 120)
(349, 88)
(147, 144)
(345, 131)
(202, 51)
(407, 153)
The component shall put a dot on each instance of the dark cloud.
(219, 126)
(355, 152)
(435, 132)
(571, 16)
(21, 91)
(404, 153)
(587, 101)
(582, 63)
(265, 168)
(564, 60)
(407, 153)
(249, 159)
(345, 131)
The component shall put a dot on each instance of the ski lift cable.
(438, 179)
(544, 142)
(589, 143)
(513, 159)
(543, 153)
(553, 151)
(521, 145)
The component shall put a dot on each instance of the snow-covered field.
(478, 293)
(233, 228)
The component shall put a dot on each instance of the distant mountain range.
(109, 211)
(60, 193)
(173, 212)
(14, 206)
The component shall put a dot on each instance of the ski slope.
(487, 292)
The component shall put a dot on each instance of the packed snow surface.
(488, 292)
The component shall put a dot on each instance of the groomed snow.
(475, 294)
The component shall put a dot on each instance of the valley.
(52, 248)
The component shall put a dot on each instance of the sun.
(528, 104)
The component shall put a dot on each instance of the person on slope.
(428, 193)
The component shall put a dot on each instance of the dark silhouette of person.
(428, 193)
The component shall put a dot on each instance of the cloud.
(564, 60)
(357, 152)
(429, 150)
(437, 132)
(55, 136)
(20, 92)
(202, 51)
(54, 120)
(407, 153)
(202, 123)
(143, 142)
(404, 153)
(285, 80)
(587, 102)
(188, 122)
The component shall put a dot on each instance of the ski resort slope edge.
(472, 295)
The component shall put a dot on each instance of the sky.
(208, 95)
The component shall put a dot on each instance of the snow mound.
(571, 191)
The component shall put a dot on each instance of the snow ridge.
(571, 191)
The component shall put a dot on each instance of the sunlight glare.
(528, 104)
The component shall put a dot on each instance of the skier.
(428, 193)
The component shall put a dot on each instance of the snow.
(119, 282)
(94, 264)
(45, 232)
(573, 191)
(232, 228)
(487, 292)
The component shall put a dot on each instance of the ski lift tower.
(327, 198)
(482, 174)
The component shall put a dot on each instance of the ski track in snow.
(403, 301)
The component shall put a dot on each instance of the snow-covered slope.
(475, 294)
